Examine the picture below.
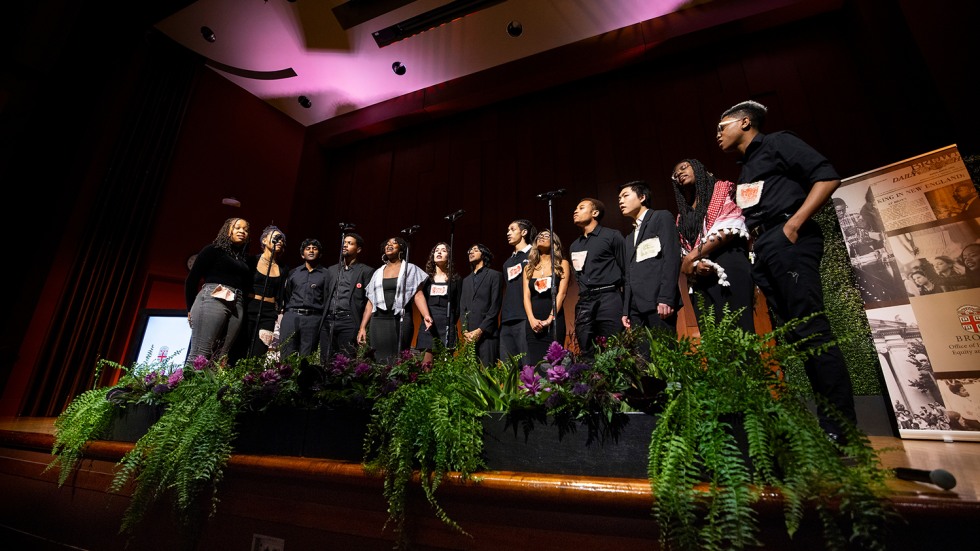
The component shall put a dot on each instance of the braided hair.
(223, 239)
(692, 219)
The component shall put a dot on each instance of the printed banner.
(912, 231)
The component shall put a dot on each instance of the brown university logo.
(969, 318)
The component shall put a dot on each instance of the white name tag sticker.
(439, 290)
(514, 271)
(578, 260)
(748, 195)
(648, 248)
(542, 284)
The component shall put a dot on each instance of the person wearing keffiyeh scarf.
(392, 291)
(714, 242)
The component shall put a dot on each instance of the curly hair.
(223, 239)
(402, 247)
(430, 264)
(534, 256)
(310, 241)
(692, 219)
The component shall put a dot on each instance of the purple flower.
(269, 376)
(575, 369)
(530, 381)
(362, 369)
(160, 388)
(200, 362)
(150, 377)
(557, 374)
(406, 354)
(249, 379)
(555, 353)
(600, 341)
(340, 364)
(176, 377)
(285, 370)
(580, 389)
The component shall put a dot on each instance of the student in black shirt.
(299, 329)
(513, 319)
(479, 304)
(597, 259)
(346, 293)
(783, 183)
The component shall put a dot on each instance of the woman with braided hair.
(215, 310)
(714, 242)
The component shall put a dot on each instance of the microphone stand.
(344, 228)
(550, 197)
(449, 283)
(404, 275)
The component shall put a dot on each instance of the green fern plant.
(90, 415)
(429, 425)
(729, 383)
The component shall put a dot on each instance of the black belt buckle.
(769, 224)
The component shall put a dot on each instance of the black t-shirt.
(513, 269)
(787, 168)
(215, 265)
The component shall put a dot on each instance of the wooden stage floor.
(331, 499)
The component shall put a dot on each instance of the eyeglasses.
(723, 124)
(544, 236)
(676, 176)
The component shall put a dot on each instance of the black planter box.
(324, 433)
(336, 433)
(132, 421)
(552, 449)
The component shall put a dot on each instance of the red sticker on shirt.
(358, 285)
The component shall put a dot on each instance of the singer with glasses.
(783, 183)
(264, 300)
(216, 309)
(441, 292)
(393, 290)
(714, 243)
(539, 281)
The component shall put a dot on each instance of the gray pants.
(214, 324)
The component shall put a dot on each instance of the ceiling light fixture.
(305, 102)
(231, 202)
(208, 34)
(515, 29)
(398, 68)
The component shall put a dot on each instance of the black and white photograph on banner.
(876, 272)
(928, 339)
(917, 395)
(962, 402)
(937, 259)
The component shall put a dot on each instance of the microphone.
(411, 230)
(552, 194)
(940, 477)
(344, 226)
(452, 217)
(277, 238)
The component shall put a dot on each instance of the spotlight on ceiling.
(398, 68)
(515, 29)
(231, 202)
(208, 34)
(305, 102)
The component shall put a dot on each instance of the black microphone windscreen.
(943, 478)
(940, 477)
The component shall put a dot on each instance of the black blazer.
(480, 299)
(653, 280)
(358, 296)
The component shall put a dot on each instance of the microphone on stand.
(277, 238)
(940, 477)
(552, 194)
(410, 230)
(452, 217)
(344, 226)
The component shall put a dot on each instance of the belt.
(306, 311)
(769, 224)
(271, 300)
(342, 314)
(597, 290)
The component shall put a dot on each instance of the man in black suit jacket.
(346, 288)
(479, 306)
(653, 262)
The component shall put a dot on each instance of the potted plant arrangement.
(733, 426)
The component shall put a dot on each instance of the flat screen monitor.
(162, 333)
